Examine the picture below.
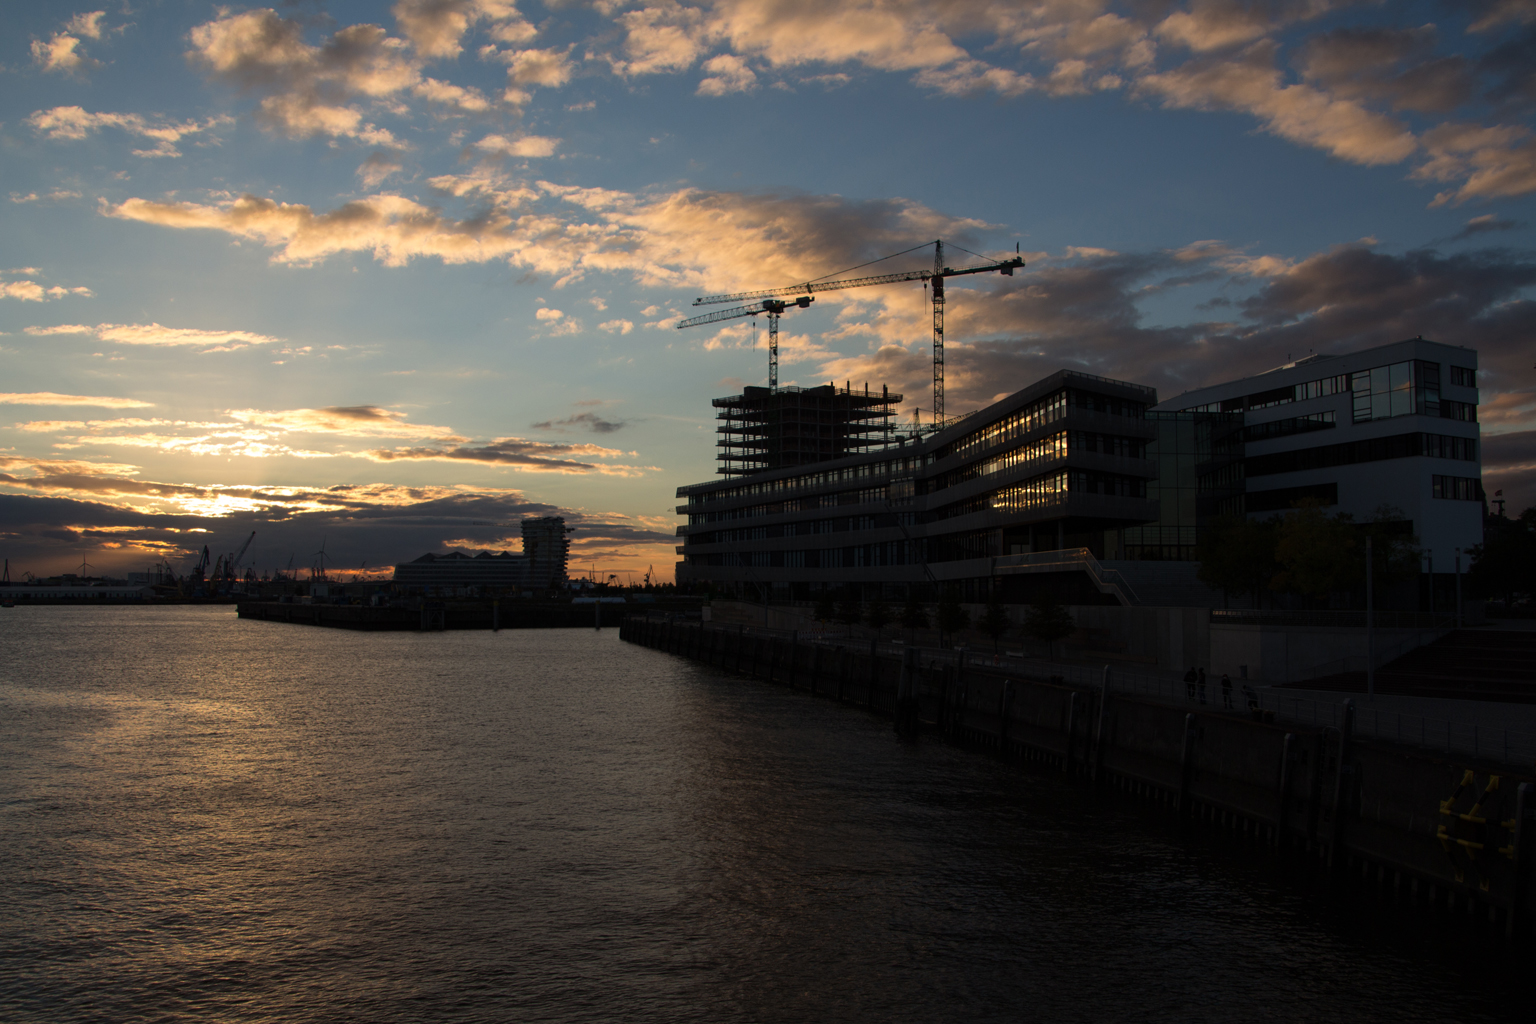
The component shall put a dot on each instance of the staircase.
(1168, 584)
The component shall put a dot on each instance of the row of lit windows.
(825, 478)
(1033, 416)
(899, 552)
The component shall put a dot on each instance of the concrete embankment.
(428, 615)
(1439, 831)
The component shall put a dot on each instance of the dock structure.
(428, 615)
(1449, 830)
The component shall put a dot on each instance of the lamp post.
(1370, 632)
(1458, 588)
(1431, 553)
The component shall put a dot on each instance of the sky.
(384, 279)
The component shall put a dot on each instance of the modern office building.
(1393, 427)
(1113, 483)
(541, 566)
(1061, 464)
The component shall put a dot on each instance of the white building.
(1394, 425)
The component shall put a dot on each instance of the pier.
(1442, 829)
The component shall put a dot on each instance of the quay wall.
(429, 616)
(1441, 831)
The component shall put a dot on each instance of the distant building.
(542, 565)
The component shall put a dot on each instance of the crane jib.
(1005, 266)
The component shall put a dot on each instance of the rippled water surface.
(210, 819)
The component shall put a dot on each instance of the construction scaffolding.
(780, 428)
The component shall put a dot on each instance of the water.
(210, 819)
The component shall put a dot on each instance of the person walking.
(1189, 683)
(1201, 684)
(1226, 691)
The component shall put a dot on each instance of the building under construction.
(781, 428)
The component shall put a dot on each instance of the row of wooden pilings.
(1432, 830)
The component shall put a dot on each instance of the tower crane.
(806, 291)
(773, 307)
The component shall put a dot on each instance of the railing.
(1352, 619)
(1511, 746)
(1109, 580)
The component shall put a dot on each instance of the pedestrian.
(1201, 684)
(1226, 691)
(1189, 682)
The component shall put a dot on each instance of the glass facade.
(1408, 388)
(1199, 472)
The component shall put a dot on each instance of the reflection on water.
(210, 819)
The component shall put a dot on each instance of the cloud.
(74, 123)
(586, 421)
(1496, 13)
(548, 314)
(379, 165)
(1298, 113)
(1496, 162)
(31, 291)
(727, 74)
(692, 237)
(155, 334)
(1484, 224)
(309, 86)
(57, 195)
(460, 98)
(53, 398)
(344, 420)
(436, 28)
(617, 326)
(524, 146)
(531, 456)
(62, 52)
(1220, 24)
(547, 69)
(1359, 63)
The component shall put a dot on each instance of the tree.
(826, 606)
(1237, 555)
(1504, 564)
(1318, 554)
(878, 615)
(913, 614)
(1047, 621)
(994, 622)
(952, 616)
(1395, 556)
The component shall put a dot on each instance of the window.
(1466, 412)
(1463, 377)
(1401, 389)
(1456, 488)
